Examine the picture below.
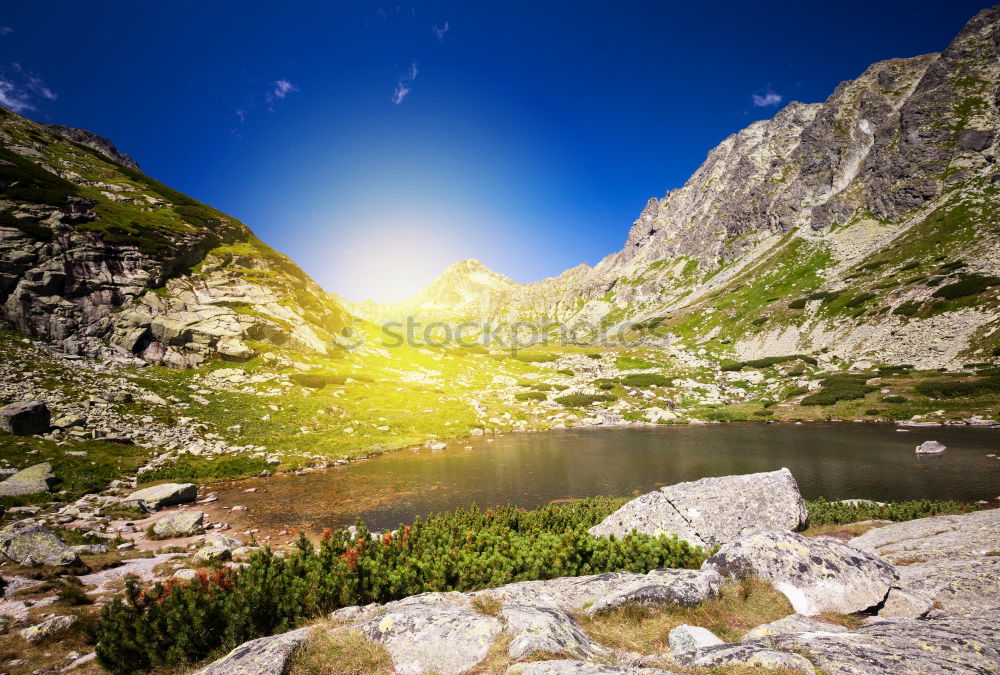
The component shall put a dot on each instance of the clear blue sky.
(376, 142)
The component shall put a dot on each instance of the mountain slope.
(834, 225)
(104, 261)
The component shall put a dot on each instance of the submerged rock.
(264, 656)
(167, 494)
(32, 545)
(34, 479)
(931, 448)
(816, 575)
(713, 511)
(25, 419)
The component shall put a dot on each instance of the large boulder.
(49, 628)
(432, 632)
(25, 419)
(264, 656)
(713, 511)
(167, 494)
(179, 524)
(32, 545)
(34, 479)
(970, 535)
(816, 575)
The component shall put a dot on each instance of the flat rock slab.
(432, 633)
(960, 586)
(25, 419)
(30, 481)
(973, 534)
(570, 667)
(32, 545)
(606, 590)
(546, 629)
(48, 628)
(168, 494)
(793, 623)
(947, 646)
(751, 655)
(264, 656)
(713, 511)
(686, 588)
(816, 575)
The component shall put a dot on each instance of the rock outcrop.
(264, 656)
(32, 545)
(713, 511)
(29, 481)
(25, 419)
(166, 494)
(179, 524)
(816, 575)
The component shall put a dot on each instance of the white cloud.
(282, 88)
(5, 30)
(20, 89)
(404, 85)
(441, 31)
(768, 99)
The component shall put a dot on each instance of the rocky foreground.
(926, 593)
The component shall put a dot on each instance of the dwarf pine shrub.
(176, 623)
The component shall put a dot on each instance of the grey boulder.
(29, 481)
(750, 654)
(713, 511)
(48, 628)
(816, 575)
(264, 656)
(432, 632)
(685, 588)
(959, 586)
(32, 545)
(545, 629)
(167, 494)
(571, 667)
(25, 419)
(685, 638)
(179, 524)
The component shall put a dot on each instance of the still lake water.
(833, 460)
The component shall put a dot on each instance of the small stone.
(685, 638)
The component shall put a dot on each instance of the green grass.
(531, 396)
(840, 388)
(643, 380)
(959, 389)
(199, 469)
(822, 512)
(583, 400)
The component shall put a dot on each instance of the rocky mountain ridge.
(104, 261)
(878, 196)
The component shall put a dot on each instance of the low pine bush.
(840, 388)
(908, 308)
(531, 396)
(959, 389)
(968, 284)
(822, 512)
(316, 380)
(583, 400)
(647, 380)
(177, 623)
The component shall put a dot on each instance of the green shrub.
(895, 371)
(800, 303)
(566, 371)
(583, 400)
(908, 308)
(871, 412)
(719, 416)
(531, 396)
(763, 413)
(968, 284)
(825, 296)
(822, 512)
(959, 389)
(596, 357)
(536, 358)
(840, 388)
(316, 380)
(174, 624)
(894, 399)
(996, 351)
(859, 300)
(647, 380)
(22, 180)
(910, 266)
(758, 322)
(27, 225)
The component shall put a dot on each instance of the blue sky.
(375, 143)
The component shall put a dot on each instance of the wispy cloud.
(5, 30)
(404, 84)
(20, 89)
(770, 98)
(279, 91)
(441, 31)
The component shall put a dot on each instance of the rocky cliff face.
(103, 261)
(878, 196)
